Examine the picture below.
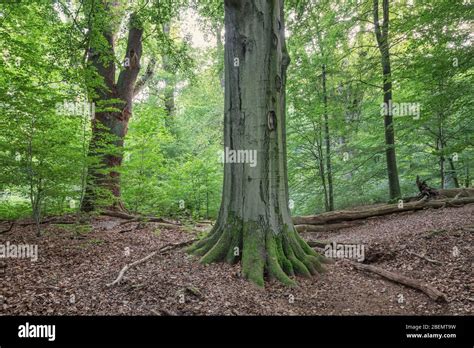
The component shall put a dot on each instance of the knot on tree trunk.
(272, 121)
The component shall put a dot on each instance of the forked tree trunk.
(110, 127)
(254, 223)
(381, 35)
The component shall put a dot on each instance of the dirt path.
(72, 271)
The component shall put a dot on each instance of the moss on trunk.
(263, 251)
(254, 224)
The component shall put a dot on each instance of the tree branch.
(141, 83)
(128, 76)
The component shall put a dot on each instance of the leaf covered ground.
(75, 264)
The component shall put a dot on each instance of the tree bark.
(254, 223)
(328, 227)
(322, 170)
(454, 174)
(170, 84)
(440, 149)
(468, 176)
(349, 215)
(459, 192)
(328, 143)
(219, 52)
(381, 34)
(110, 127)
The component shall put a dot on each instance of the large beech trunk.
(254, 223)
(110, 127)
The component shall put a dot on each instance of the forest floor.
(73, 268)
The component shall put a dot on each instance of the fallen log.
(446, 193)
(149, 256)
(134, 218)
(459, 192)
(157, 224)
(206, 222)
(349, 215)
(430, 291)
(328, 227)
(53, 220)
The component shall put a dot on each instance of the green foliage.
(162, 169)
(171, 165)
(38, 145)
(431, 52)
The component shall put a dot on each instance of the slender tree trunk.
(441, 169)
(110, 127)
(254, 223)
(440, 149)
(170, 84)
(468, 176)
(328, 142)
(322, 171)
(454, 172)
(85, 150)
(383, 44)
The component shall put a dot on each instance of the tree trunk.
(382, 40)
(328, 143)
(254, 223)
(170, 84)
(322, 171)
(440, 149)
(454, 173)
(441, 172)
(110, 127)
(219, 52)
(468, 176)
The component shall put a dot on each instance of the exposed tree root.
(424, 257)
(262, 252)
(163, 311)
(434, 233)
(9, 228)
(432, 293)
(371, 254)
